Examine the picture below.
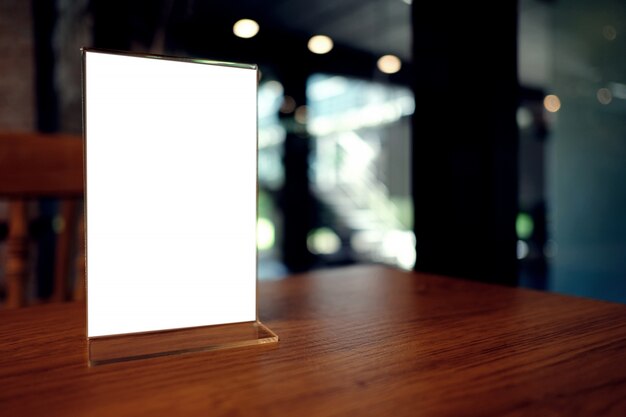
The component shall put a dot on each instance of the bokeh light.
(604, 96)
(389, 64)
(246, 28)
(323, 241)
(552, 103)
(320, 44)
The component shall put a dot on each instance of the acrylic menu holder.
(171, 185)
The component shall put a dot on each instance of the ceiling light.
(389, 64)
(320, 44)
(246, 28)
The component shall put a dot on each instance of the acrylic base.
(108, 349)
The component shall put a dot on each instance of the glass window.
(361, 169)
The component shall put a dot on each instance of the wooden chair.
(36, 165)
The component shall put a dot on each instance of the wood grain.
(356, 341)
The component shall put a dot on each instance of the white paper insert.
(171, 193)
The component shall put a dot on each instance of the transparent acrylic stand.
(118, 348)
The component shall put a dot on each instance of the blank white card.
(170, 193)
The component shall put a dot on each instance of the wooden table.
(358, 341)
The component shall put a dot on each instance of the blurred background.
(429, 137)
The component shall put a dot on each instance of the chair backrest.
(38, 165)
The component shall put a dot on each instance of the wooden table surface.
(358, 341)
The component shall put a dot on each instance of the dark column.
(47, 114)
(465, 139)
(44, 20)
(296, 201)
